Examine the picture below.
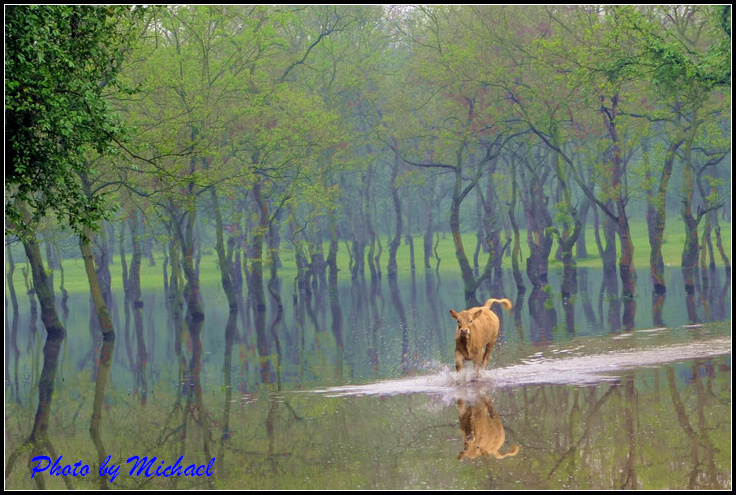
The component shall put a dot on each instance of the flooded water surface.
(355, 388)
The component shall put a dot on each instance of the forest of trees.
(320, 128)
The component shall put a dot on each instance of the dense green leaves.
(59, 63)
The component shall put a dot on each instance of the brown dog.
(477, 331)
(482, 430)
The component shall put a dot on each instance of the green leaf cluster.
(60, 61)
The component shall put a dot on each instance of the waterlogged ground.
(364, 398)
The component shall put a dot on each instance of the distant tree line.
(329, 127)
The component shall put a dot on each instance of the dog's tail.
(506, 303)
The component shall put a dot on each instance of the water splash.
(536, 369)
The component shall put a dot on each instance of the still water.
(352, 389)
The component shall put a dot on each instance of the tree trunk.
(466, 270)
(690, 249)
(428, 233)
(516, 250)
(656, 217)
(123, 261)
(184, 226)
(101, 310)
(318, 265)
(371, 234)
(9, 278)
(223, 260)
(55, 334)
(134, 271)
(626, 261)
(539, 239)
(103, 257)
(396, 241)
(719, 244)
(582, 245)
(256, 291)
(607, 251)
(332, 253)
(41, 287)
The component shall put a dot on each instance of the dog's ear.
(454, 313)
(477, 314)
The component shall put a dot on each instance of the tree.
(683, 51)
(453, 121)
(60, 62)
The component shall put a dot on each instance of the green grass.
(75, 280)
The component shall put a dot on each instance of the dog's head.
(465, 322)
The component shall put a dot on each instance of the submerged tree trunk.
(123, 261)
(184, 225)
(581, 251)
(332, 252)
(55, 334)
(43, 291)
(466, 271)
(256, 291)
(101, 310)
(719, 244)
(398, 226)
(656, 217)
(690, 249)
(9, 278)
(516, 250)
(626, 261)
(224, 260)
(571, 228)
(428, 233)
(539, 238)
(133, 289)
(606, 246)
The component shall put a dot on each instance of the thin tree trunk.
(9, 278)
(656, 217)
(222, 258)
(396, 241)
(516, 249)
(101, 310)
(55, 334)
(428, 233)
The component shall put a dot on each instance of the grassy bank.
(152, 276)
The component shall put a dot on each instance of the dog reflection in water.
(482, 430)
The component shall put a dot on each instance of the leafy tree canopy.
(59, 62)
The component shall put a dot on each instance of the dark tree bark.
(398, 225)
(9, 278)
(123, 261)
(55, 333)
(607, 245)
(224, 258)
(428, 221)
(101, 308)
(657, 214)
(133, 289)
(581, 246)
(539, 238)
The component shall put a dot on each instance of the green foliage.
(60, 61)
